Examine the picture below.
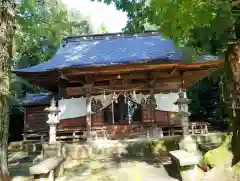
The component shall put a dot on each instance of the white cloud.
(99, 13)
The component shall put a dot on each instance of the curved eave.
(130, 67)
(138, 67)
(49, 79)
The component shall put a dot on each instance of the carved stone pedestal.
(189, 144)
(76, 151)
(186, 164)
(52, 150)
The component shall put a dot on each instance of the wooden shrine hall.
(117, 84)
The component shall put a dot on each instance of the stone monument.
(186, 143)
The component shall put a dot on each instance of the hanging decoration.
(104, 95)
(121, 90)
(134, 94)
(145, 102)
(125, 97)
(115, 97)
(130, 111)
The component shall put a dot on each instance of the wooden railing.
(145, 130)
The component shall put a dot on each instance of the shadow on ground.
(19, 163)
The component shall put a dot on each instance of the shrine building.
(118, 83)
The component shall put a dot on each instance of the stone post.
(52, 121)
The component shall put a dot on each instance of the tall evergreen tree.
(102, 29)
(7, 17)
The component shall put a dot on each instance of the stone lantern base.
(189, 144)
(51, 150)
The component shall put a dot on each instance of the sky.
(99, 13)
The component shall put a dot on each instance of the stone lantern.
(187, 143)
(182, 103)
(52, 120)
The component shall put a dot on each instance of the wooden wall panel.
(161, 116)
(98, 118)
(146, 116)
(36, 118)
(72, 123)
(120, 131)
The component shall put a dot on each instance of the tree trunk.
(6, 34)
(232, 70)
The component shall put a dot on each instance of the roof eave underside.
(128, 68)
(49, 79)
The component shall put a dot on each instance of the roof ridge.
(107, 36)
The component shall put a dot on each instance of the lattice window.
(96, 105)
(146, 102)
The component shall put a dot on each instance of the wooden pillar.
(88, 115)
(113, 118)
(62, 89)
(25, 125)
(25, 129)
(151, 103)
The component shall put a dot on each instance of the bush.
(163, 146)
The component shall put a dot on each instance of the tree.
(201, 26)
(102, 29)
(41, 28)
(6, 35)
(206, 102)
(80, 24)
(41, 25)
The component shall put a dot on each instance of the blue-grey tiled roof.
(112, 51)
(37, 99)
(207, 58)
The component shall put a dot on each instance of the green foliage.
(195, 25)
(41, 25)
(206, 99)
(40, 29)
(163, 146)
(102, 29)
(211, 158)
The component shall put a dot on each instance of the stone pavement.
(97, 169)
(125, 171)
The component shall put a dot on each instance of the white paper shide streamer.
(76, 107)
